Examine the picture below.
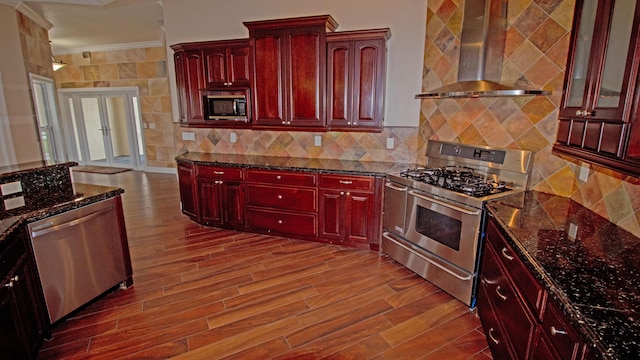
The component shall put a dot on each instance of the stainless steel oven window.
(439, 227)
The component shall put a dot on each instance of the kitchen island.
(58, 265)
(588, 266)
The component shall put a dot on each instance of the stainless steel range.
(434, 216)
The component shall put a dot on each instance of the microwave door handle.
(450, 206)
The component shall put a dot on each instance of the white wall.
(19, 113)
(202, 20)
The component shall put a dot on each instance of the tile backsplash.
(537, 43)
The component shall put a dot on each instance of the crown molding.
(34, 16)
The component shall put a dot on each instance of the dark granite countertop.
(85, 194)
(590, 266)
(31, 166)
(326, 166)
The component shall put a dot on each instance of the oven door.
(448, 230)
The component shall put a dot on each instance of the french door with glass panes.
(105, 125)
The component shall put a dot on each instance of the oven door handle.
(448, 271)
(450, 206)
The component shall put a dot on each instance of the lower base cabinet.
(340, 209)
(23, 322)
(518, 318)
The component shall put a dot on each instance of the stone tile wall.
(535, 55)
(144, 68)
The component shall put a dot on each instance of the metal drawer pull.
(456, 208)
(498, 291)
(464, 278)
(219, 172)
(493, 338)
(555, 331)
(346, 182)
(506, 256)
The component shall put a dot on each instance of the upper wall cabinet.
(599, 110)
(289, 70)
(208, 65)
(227, 63)
(356, 79)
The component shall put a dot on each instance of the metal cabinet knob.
(279, 221)
(555, 331)
(280, 197)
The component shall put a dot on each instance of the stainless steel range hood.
(481, 51)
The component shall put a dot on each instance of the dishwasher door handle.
(49, 227)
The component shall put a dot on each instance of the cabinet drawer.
(517, 321)
(222, 173)
(529, 287)
(561, 334)
(287, 198)
(282, 222)
(347, 182)
(495, 338)
(281, 177)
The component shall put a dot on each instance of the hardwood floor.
(207, 293)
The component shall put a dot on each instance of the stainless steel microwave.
(230, 105)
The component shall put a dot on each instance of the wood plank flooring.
(208, 293)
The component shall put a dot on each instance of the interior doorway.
(105, 126)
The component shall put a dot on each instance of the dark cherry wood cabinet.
(220, 194)
(227, 63)
(208, 65)
(599, 113)
(350, 209)
(23, 321)
(356, 74)
(282, 202)
(190, 78)
(306, 205)
(289, 71)
(188, 189)
(519, 319)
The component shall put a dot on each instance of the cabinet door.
(601, 61)
(25, 292)
(332, 214)
(305, 58)
(340, 83)
(232, 196)
(195, 80)
(186, 179)
(359, 214)
(181, 86)
(238, 60)
(10, 342)
(368, 89)
(215, 60)
(210, 202)
(268, 79)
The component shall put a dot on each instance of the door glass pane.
(139, 142)
(616, 57)
(117, 133)
(583, 48)
(74, 122)
(93, 129)
(439, 227)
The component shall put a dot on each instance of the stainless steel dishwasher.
(79, 256)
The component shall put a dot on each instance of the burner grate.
(456, 178)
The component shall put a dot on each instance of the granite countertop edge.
(311, 165)
(85, 194)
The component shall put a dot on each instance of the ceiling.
(98, 25)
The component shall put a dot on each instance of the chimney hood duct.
(481, 51)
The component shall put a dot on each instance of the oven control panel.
(474, 153)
